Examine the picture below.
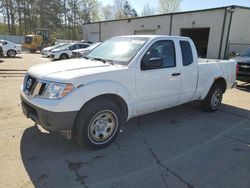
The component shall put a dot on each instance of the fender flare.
(97, 88)
(209, 84)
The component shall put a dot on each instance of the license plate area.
(29, 112)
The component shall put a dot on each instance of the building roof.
(174, 13)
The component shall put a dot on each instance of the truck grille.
(33, 87)
(243, 67)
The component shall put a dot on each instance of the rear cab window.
(187, 53)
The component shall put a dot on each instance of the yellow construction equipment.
(38, 40)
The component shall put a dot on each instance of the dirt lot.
(178, 147)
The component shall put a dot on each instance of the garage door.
(144, 32)
(93, 37)
(200, 37)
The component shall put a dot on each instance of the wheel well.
(221, 83)
(64, 54)
(116, 99)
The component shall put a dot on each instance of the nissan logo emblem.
(29, 83)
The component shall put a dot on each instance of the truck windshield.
(118, 50)
(28, 39)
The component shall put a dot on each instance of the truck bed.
(211, 67)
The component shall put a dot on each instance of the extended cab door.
(189, 70)
(158, 87)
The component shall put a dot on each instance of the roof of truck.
(154, 36)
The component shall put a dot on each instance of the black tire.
(64, 56)
(213, 99)
(11, 53)
(92, 123)
(33, 51)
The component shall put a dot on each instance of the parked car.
(47, 51)
(122, 78)
(10, 48)
(243, 60)
(65, 51)
(86, 41)
(1, 51)
(82, 52)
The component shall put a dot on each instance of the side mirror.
(152, 63)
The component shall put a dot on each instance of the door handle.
(176, 74)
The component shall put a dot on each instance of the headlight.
(57, 90)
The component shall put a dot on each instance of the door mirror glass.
(153, 63)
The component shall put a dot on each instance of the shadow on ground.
(244, 86)
(6, 57)
(178, 147)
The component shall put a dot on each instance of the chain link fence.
(234, 48)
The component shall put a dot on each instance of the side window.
(164, 50)
(76, 46)
(187, 54)
(83, 45)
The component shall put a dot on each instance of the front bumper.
(60, 122)
(54, 56)
(244, 77)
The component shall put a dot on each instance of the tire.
(11, 53)
(98, 123)
(213, 99)
(33, 51)
(64, 56)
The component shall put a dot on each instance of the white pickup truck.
(122, 78)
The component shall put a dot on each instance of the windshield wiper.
(103, 60)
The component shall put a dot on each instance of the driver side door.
(158, 87)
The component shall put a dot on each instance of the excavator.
(38, 40)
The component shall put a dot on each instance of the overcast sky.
(186, 4)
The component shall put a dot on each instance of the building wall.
(158, 25)
(216, 19)
(239, 38)
(205, 19)
(91, 32)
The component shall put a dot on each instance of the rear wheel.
(11, 53)
(33, 51)
(98, 123)
(213, 99)
(64, 56)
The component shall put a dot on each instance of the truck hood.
(65, 70)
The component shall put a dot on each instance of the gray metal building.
(217, 33)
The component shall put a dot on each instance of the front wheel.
(98, 123)
(63, 56)
(11, 53)
(213, 99)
